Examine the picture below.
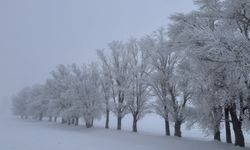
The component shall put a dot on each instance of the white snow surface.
(18, 134)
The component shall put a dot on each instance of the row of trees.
(216, 40)
(71, 93)
(196, 71)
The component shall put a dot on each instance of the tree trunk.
(217, 116)
(76, 121)
(40, 117)
(119, 111)
(217, 135)
(119, 122)
(69, 121)
(227, 126)
(167, 130)
(177, 128)
(134, 123)
(50, 118)
(63, 121)
(89, 124)
(55, 119)
(73, 121)
(107, 119)
(239, 137)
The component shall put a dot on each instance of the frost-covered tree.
(180, 92)
(208, 102)
(214, 38)
(163, 61)
(38, 102)
(59, 91)
(238, 14)
(117, 63)
(105, 81)
(86, 93)
(138, 91)
(169, 79)
(193, 35)
(20, 102)
(31, 101)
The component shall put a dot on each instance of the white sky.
(37, 35)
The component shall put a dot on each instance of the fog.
(36, 36)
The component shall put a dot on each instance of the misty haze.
(124, 74)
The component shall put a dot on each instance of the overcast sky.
(37, 35)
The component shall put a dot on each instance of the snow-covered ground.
(17, 134)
